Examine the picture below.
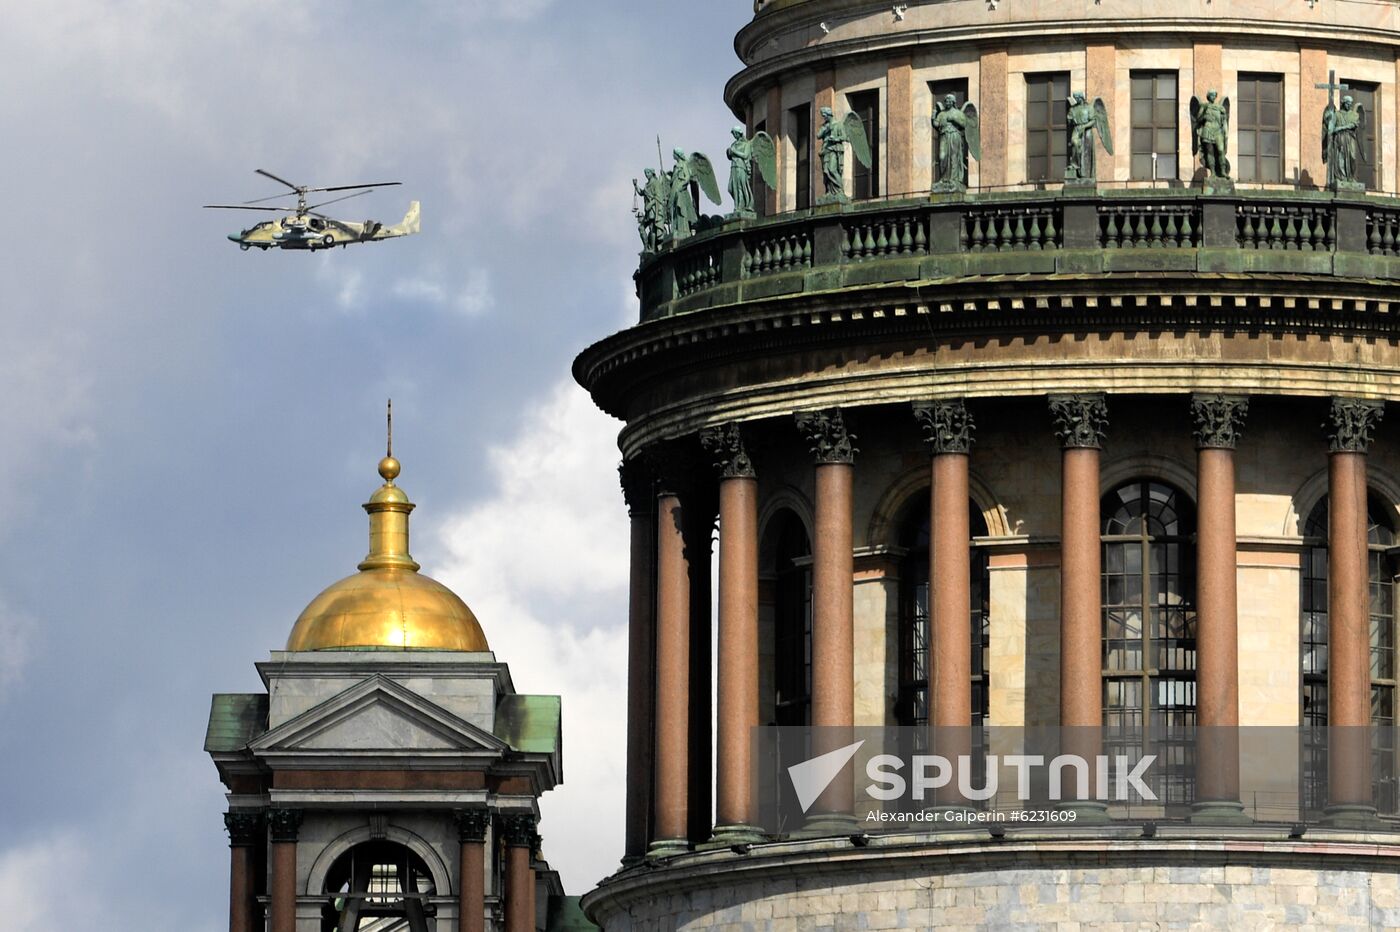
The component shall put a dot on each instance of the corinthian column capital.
(1351, 423)
(1219, 420)
(1081, 421)
(472, 824)
(948, 425)
(725, 444)
(518, 830)
(285, 824)
(826, 430)
(244, 827)
(638, 485)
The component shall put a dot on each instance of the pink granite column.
(1081, 422)
(833, 611)
(1218, 420)
(948, 429)
(738, 634)
(1351, 424)
(638, 488)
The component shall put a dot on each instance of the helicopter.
(303, 228)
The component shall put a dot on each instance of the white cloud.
(543, 563)
(43, 886)
(473, 296)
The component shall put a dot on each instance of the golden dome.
(388, 604)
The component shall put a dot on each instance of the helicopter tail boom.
(411, 223)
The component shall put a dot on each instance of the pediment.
(378, 715)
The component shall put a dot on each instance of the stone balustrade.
(1024, 233)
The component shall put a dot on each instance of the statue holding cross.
(1342, 129)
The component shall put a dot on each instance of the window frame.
(1056, 127)
(800, 137)
(1154, 126)
(1147, 724)
(1250, 133)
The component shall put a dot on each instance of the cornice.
(998, 27)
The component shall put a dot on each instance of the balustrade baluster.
(921, 241)
(1156, 231)
(1052, 236)
(977, 233)
(1005, 240)
(1034, 242)
(1110, 234)
(906, 242)
(1188, 234)
(1276, 233)
(1305, 232)
(882, 242)
(1290, 234)
(869, 250)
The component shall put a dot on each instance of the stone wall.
(1196, 885)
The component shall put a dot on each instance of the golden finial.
(389, 467)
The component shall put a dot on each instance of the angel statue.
(834, 136)
(959, 134)
(1084, 122)
(743, 154)
(1342, 129)
(691, 172)
(1210, 134)
(651, 218)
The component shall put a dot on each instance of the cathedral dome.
(388, 604)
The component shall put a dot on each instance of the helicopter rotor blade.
(275, 178)
(335, 200)
(275, 210)
(350, 187)
(274, 197)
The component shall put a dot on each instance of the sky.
(194, 427)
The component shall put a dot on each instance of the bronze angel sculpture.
(692, 173)
(833, 136)
(744, 154)
(1085, 121)
(1210, 134)
(1342, 131)
(959, 132)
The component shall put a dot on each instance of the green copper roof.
(565, 914)
(234, 720)
(529, 724)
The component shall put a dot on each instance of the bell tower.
(389, 777)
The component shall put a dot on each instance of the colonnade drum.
(1134, 431)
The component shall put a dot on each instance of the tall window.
(941, 89)
(911, 703)
(1368, 96)
(792, 626)
(1260, 144)
(800, 132)
(1381, 583)
(1149, 632)
(1047, 106)
(1154, 114)
(865, 182)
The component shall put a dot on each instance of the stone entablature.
(1110, 879)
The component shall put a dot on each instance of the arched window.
(1380, 539)
(911, 702)
(792, 625)
(375, 883)
(1149, 631)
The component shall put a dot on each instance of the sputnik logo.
(811, 777)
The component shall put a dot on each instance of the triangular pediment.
(378, 715)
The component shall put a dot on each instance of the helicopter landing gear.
(244, 246)
(328, 240)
